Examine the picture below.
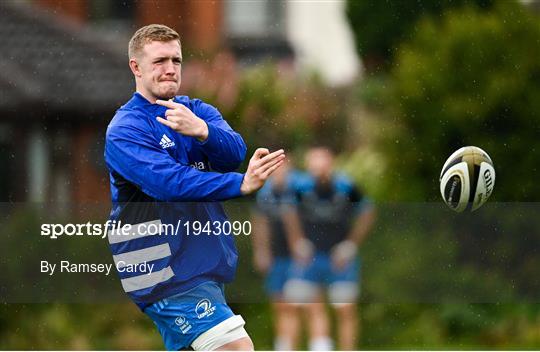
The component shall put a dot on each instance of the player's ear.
(134, 66)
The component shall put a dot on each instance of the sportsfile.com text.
(117, 228)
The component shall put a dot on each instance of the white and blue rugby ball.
(467, 179)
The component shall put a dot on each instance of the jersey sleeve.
(360, 201)
(224, 148)
(136, 156)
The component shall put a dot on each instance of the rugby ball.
(467, 179)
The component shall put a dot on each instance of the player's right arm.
(300, 247)
(136, 156)
(345, 251)
(262, 257)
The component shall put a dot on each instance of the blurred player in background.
(163, 151)
(271, 253)
(332, 219)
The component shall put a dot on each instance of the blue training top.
(154, 173)
(327, 211)
(272, 202)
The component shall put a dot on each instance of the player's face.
(320, 163)
(160, 66)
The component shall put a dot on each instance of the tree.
(471, 79)
(379, 26)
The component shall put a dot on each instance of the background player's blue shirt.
(154, 171)
(327, 211)
(272, 202)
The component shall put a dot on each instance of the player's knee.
(229, 335)
(242, 344)
(281, 306)
(284, 307)
(315, 309)
(346, 311)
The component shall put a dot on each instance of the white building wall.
(322, 40)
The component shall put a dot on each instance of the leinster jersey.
(327, 211)
(160, 181)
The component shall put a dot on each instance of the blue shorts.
(277, 276)
(322, 272)
(181, 318)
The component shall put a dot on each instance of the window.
(256, 30)
(263, 18)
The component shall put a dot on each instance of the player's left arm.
(363, 223)
(262, 254)
(301, 248)
(224, 148)
(346, 250)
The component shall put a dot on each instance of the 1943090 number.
(217, 228)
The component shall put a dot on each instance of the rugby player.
(171, 159)
(271, 255)
(332, 219)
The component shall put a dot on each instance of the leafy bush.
(270, 107)
(380, 26)
(471, 79)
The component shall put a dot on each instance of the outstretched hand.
(261, 165)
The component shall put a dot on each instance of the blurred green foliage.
(273, 108)
(63, 326)
(468, 77)
(380, 26)
(472, 78)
